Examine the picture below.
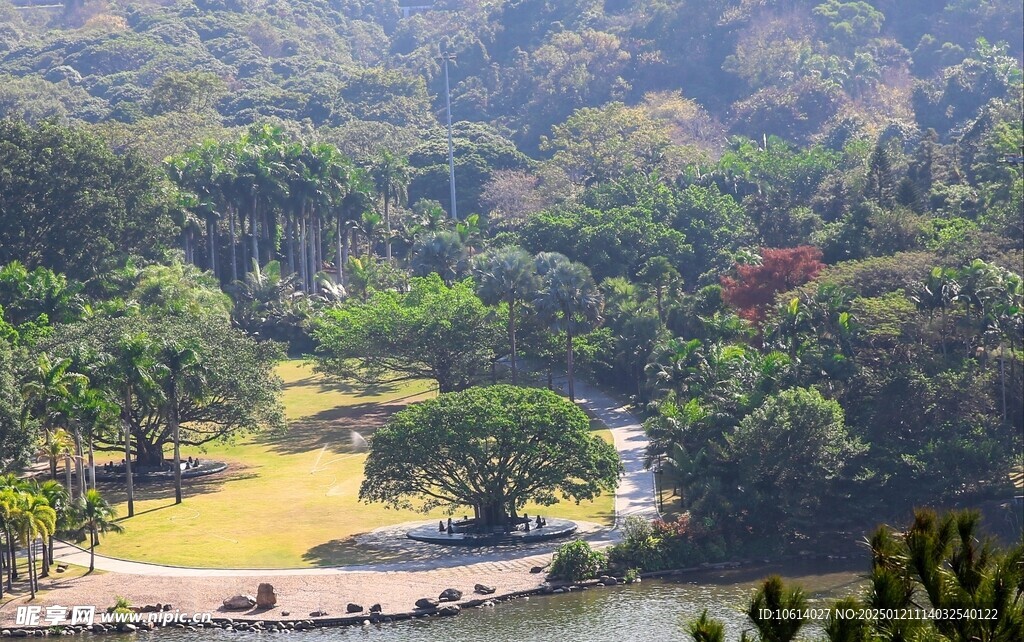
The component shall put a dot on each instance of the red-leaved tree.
(753, 289)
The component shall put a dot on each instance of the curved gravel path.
(634, 496)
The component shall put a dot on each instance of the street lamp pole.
(451, 150)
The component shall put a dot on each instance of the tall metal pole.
(451, 149)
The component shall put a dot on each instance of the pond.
(654, 611)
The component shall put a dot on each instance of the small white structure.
(420, 6)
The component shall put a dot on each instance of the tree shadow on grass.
(326, 385)
(333, 428)
(391, 546)
(164, 489)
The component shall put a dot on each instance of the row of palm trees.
(560, 292)
(75, 410)
(32, 512)
(277, 199)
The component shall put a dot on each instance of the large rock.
(426, 603)
(483, 589)
(353, 608)
(239, 602)
(449, 610)
(450, 595)
(376, 608)
(266, 597)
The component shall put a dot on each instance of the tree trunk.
(387, 226)
(311, 236)
(345, 251)
(128, 455)
(46, 558)
(512, 336)
(92, 465)
(244, 257)
(569, 365)
(254, 230)
(303, 264)
(79, 465)
(31, 571)
(12, 565)
(67, 474)
(289, 242)
(268, 249)
(92, 549)
(210, 245)
(176, 431)
(338, 253)
(1002, 378)
(234, 246)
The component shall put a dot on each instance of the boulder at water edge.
(239, 602)
(266, 597)
(426, 603)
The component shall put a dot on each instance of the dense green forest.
(790, 232)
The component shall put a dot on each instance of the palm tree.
(33, 519)
(428, 217)
(93, 414)
(440, 252)
(176, 364)
(347, 212)
(96, 515)
(705, 629)
(659, 274)
(774, 597)
(10, 485)
(571, 303)
(131, 373)
(507, 275)
(48, 385)
(470, 232)
(391, 177)
(59, 499)
(58, 444)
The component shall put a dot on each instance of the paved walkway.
(634, 496)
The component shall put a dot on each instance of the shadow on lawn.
(390, 545)
(164, 490)
(325, 385)
(333, 427)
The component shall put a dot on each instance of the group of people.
(111, 467)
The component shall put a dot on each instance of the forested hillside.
(766, 222)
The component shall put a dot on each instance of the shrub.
(576, 561)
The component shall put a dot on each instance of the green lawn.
(287, 500)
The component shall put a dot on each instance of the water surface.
(654, 611)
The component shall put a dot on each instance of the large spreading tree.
(432, 332)
(71, 204)
(493, 449)
(231, 388)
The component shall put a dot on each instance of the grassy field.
(287, 500)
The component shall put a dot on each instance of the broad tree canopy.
(493, 448)
(233, 388)
(432, 332)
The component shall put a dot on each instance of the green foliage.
(17, 437)
(234, 391)
(576, 561)
(60, 186)
(493, 449)
(435, 331)
(789, 454)
(937, 565)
